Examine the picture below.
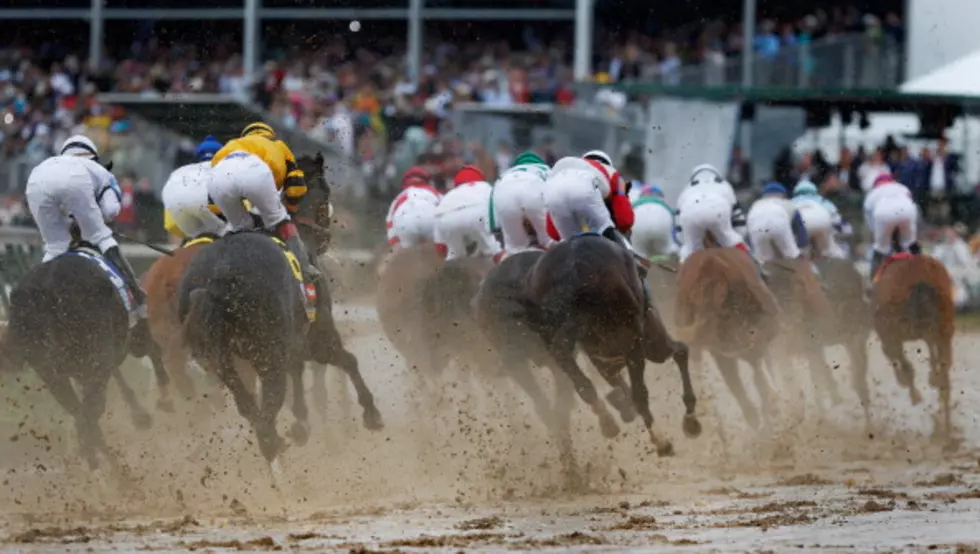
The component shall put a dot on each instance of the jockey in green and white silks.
(653, 229)
(518, 195)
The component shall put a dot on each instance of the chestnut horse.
(913, 300)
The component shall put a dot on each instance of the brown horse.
(401, 278)
(806, 320)
(913, 300)
(723, 307)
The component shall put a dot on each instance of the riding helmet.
(207, 149)
(259, 128)
(774, 188)
(884, 179)
(528, 158)
(709, 169)
(805, 188)
(468, 174)
(598, 156)
(80, 145)
(416, 176)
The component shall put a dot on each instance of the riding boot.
(915, 249)
(876, 260)
(139, 340)
(614, 235)
(762, 270)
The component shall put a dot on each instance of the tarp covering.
(961, 77)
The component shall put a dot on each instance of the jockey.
(255, 167)
(821, 219)
(653, 231)
(588, 194)
(890, 213)
(74, 186)
(411, 217)
(462, 217)
(708, 203)
(518, 196)
(775, 226)
(187, 211)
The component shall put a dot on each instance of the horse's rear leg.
(620, 395)
(300, 430)
(857, 350)
(174, 359)
(636, 364)
(319, 391)
(729, 372)
(94, 388)
(823, 380)
(763, 384)
(658, 346)
(140, 417)
(564, 404)
(562, 349)
(328, 348)
(164, 402)
(63, 391)
(941, 362)
(904, 371)
(269, 445)
(273, 395)
(520, 372)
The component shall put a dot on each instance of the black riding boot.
(915, 249)
(139, 340)
(876, 260)
(612, 234)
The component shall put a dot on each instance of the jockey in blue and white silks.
(821, 218)
(653, 228)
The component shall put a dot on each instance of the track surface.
(458, 469)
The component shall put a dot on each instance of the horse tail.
(922, 304)
(205, 326)
(694, 309)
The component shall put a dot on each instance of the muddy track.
(458, 469)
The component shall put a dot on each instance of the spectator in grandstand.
(872, 168)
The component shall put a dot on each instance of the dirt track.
(478, 473)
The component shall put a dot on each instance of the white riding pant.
(771, 233)
(653, 230)
(55, 192)
(187, 202)
(575, 202)
(820, 228)
(517, 200)
(244, 176)
(466, 226)
(413, 223)
(701, 213)
(891, 214)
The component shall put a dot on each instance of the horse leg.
(658, 346)
(857, 350)
(245, 402)
(93, 406)
(333, 352)
(564, 404)
(520, 373)
(764, 386)
(164, 402)
(140, 417)
(619, 396)
(62, 390)
(320, 398)
(174, 359)
(273, 396)
(636, 364)
(729, 372)
(300, 430)
(904, 372)
(823, 380)
(562, 349)
(941, 361)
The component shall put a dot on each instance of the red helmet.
(468, 174)
(884, 179)
(415, 177)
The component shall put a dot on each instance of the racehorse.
(913, 300)
(723, 307)
(402, 278)
(806, 318)
(586, 291)
(852, 321)
(70, 321)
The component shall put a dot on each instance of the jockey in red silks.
(463, 217)
(588, 194)
(889, 210)
(411, 217)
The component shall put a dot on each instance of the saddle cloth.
(308, 290)
(115, 277)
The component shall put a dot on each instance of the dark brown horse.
(913, 300)
(723, 307)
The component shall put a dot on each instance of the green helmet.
(804, 188)
(528, 158)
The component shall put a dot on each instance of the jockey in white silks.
(775, 226)
(74, 186)
(518, 197)
(890, 213)
(463, 218)
(411, 217)
(653, 228)
(187, 211)
(821, 218)
(708, 204)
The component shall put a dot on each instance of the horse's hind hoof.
(617, 398)
(372, 420)
(166, 406)
(692, 427)
(608, 425)
(299, 433)
(142, 421)
(665, 449)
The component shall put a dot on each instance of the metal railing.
(847, 61)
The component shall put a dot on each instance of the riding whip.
(144, 243)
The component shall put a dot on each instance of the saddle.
(127, 295)
(887, 261)
(309, 292)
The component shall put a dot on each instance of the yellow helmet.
(259, 128)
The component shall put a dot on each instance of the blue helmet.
(650, 190)
(774, 188)
(207, 149)
(805, 188)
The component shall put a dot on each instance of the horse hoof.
(915, 397)
(692, 427)
(299, 433)
(166, 406)
(142, 421)
(372, 420)
(609, 428)
(665, 449)
(617, 398)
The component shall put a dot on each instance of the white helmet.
(80, 145)
(599, 156)
(705, 173)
